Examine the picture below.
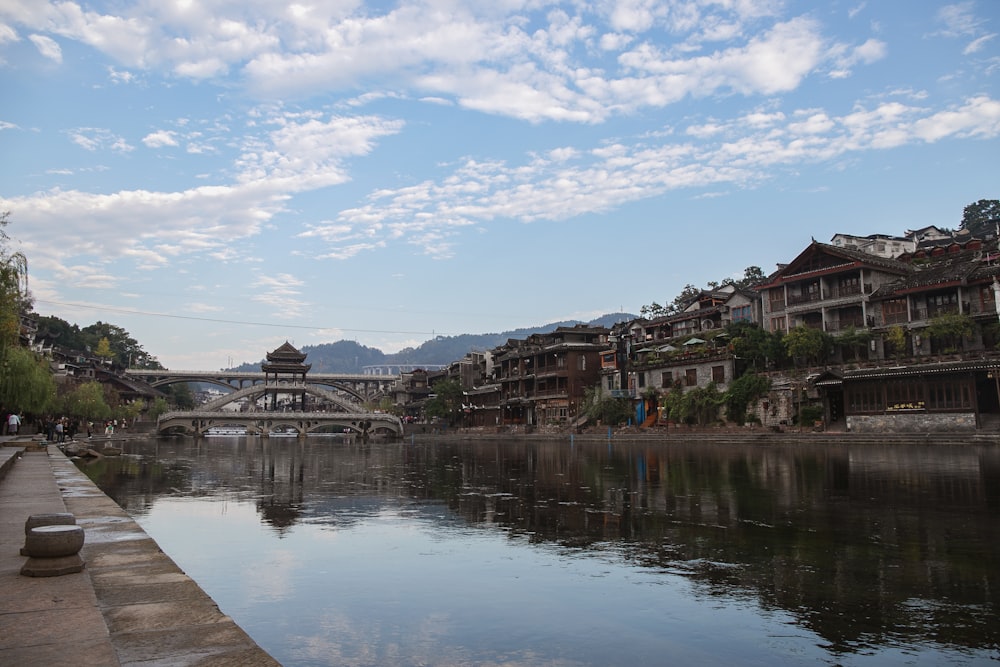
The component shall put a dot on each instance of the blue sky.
(220, 176)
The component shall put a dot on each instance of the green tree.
(949, 330)
(743, 391)
(26, 383)
(159, 407)
(807, 345)
(15, 298)
(701, 404)
(103, 349)
(694, 406)
(754, 347)
(602, 407)
(752, 276)
(446, 402)
(854, 342)
(60, 332)
(125, 349)
(896, 340)
(87, 402)
(130, 411)
(652, 311)
(982, 217)
(682, 300)
(180, 396)
(673, 404)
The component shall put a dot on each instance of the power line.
(127, 311)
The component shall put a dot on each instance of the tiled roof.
(922, 369)
(965, 267)
(849, 255)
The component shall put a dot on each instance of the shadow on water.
(867, 547)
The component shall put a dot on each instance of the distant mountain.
(350, 357)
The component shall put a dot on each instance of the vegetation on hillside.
(100, 339)
(981, 218)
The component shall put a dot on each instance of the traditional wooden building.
(921, 398)
(826, 288)
(285, 379)
(543, 379)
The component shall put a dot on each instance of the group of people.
(59, 429)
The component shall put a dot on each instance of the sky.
(218, 177)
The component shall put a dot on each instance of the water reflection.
(839, 554)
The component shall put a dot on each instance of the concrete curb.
(130, 606)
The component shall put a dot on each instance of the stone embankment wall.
(912, 423)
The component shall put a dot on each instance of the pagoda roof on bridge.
(285, 358)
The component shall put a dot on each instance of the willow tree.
(87, 401)
(14, 295)
(26, 384)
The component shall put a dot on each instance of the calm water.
(555, 553)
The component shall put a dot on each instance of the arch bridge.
(362, 386)
(264, 424)
(348, 413)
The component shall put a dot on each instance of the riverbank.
(130, 605)
(686, 434)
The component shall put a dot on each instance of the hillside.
(350, 357)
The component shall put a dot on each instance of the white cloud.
(7, 34)
(47, 47)
(160, 139)
(203, 308)
(959, 19)
(120, 76)
(739, 152)
(281, 292)
(979, 117)
(483, 57)
(96, 138)
(977, 45)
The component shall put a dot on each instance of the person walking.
(13, 423)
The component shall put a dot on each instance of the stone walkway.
(130, 606)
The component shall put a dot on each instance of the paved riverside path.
(130, 606)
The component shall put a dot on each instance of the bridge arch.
(254, 392)
(198, 423)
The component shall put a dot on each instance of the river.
(561, 553)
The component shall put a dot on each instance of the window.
(691, 377)
(741, 313)
(894, 311)
(849, 285)
(987, 298)
(666, 379)
(719, 374)
(582, 362)
(642, 380)
(777, 324)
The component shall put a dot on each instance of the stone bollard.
(53, 550)
(53, 519)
